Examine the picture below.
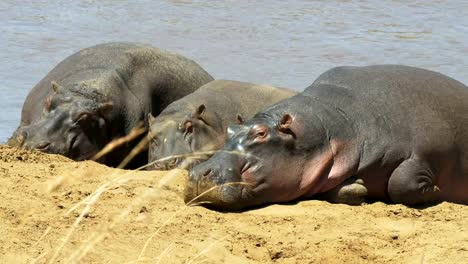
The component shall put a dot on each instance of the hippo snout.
(42, 146)
(213, 185)
(212, 175)
(201, 186)
(18, 138)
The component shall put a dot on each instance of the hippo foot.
(351, 191)
(411, 183)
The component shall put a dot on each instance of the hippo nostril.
(198, 174)
(191, 174)
(173, 162)
(207, 172)
(157, 166)
(43, 146)
(21, 137)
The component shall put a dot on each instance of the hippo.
(197, 123)
(100, 94)
(390, 133)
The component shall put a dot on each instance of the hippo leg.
(352, 191)
(412, 183)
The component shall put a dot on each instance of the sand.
(50, 212)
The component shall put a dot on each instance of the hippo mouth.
(247, 176)
(226, 196)
(244, 168)
(75, 152)
(223, 187)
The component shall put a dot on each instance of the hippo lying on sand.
(198, 122)
(386, 132)
(101, 93)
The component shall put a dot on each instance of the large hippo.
(101, 93)
(386, 132)
(198, 122)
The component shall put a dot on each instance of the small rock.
(277, 255)
(143, 209)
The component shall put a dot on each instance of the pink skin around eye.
(261, 134)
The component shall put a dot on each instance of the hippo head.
(181, 139)
(72, 123)
(261, 162)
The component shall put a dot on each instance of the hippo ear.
(55, 86)
(285, 124)
(240, 120)
(200, 109)
(105, 110)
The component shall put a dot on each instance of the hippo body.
(197, 123)
(384, 132)
(101, 93)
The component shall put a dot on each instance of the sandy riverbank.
(45, 216)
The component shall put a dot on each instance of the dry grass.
(116, 180)
(134, 133)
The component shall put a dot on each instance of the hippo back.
(130, 66)
(198, 122)
(230, 98)
(425, 110)
(104, 92)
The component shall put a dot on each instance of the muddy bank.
(140, 216)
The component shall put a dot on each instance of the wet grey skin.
(100, 94)
(191, 128)
(385, 132)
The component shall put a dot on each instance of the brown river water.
(282, 43)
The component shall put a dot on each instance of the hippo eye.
(82, 118)
(261, 133)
